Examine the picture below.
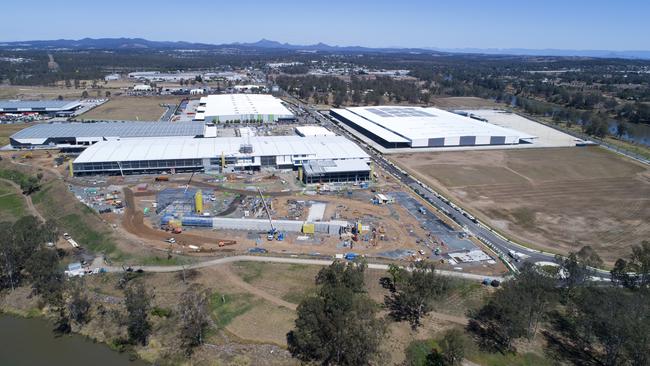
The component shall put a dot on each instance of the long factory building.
(318, 158)
(78, 136)
(51, 107)
(225, 108)
(417, 127)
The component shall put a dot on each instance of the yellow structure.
(198, 201)
(308, 228)
(70, 168)
(223, 161)
(300, 174)
(372, 171)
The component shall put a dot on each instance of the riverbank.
(21, 337)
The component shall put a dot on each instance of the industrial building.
(72, 135)
(150, 155)
(50, 107)
(236, 108)
(416, 127)
(329, 171)
(313, 131)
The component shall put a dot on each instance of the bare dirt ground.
(130, 108)
(556, 199)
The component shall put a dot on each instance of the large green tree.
(338, 326)
(138, 304)
(413, 291)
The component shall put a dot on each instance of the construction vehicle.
(270, 235)
(28, 155)
(162, 178)
(223, 243)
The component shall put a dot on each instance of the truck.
(71, 241)
(514, 255)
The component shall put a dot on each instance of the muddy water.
(30, 342)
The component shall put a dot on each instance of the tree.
(339, 325)
(46, 276)
(452, 347)
(60, 97)
(137, 306)
(621, 129)
(107, 94)
(575, 267)
(195, 317)
(634, 273)
(412, 293)
(515, 311)
(18, 242)
(84, 94)
(78, 304)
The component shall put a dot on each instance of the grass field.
(12, 204)
(130, 108)
(555, 199)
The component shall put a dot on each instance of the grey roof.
(110, 129)
(320, 167)
(30, 105)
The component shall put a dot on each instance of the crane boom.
(266, 208)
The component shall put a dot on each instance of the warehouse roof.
(319, 167)
(109, 129)
(416, 123)
(244, 104)
(371, 127)
(38, 105)
(313, 131)
(329, 147)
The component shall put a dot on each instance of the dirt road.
(28, 200)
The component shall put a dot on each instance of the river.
(31, 342)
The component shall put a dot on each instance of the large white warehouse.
(234, 153)
(223, 108)
(416, 127)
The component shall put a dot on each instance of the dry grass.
(556, 199)
(464, 102)
(7, 130)
(130, 108)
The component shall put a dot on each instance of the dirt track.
(133, 222)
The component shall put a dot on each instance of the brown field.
(464, 102)
(130, 108)
(554, 199)
(7, 130)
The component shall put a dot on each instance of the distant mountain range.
(140, 43)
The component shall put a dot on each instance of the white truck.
(69, 239)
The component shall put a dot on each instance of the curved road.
(498, 243)
(98, 263)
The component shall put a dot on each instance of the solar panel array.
(399, 112)
(111, 129)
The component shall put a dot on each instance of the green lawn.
(226, 307)
(12, 206)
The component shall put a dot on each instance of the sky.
(560, 24)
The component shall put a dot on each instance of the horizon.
(434, 48)
(556, 25)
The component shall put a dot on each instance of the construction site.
(196, 214)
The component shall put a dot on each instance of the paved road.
(98, 263)
(499, 244)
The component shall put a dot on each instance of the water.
(638, 133)
(31, 342)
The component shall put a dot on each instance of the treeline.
(581, 322)
(26, 260)
(357, 91)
